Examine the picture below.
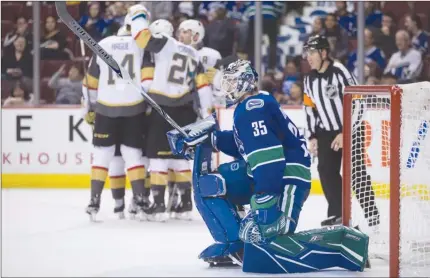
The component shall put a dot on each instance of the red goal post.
(406, 250)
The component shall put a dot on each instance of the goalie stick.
(99, 51)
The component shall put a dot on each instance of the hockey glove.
(265, 220)
(197, 133)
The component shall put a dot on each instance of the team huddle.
(127, 134)
(270, 173)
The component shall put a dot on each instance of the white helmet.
(161, 26)
(127, 20)
(196, 27)
(238, 79)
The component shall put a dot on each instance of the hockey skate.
(183, 208)
(93, 208)
(232, 260)
(139, 204)
(173, 201)
(332, 220)
(157, 212)
(119, 208)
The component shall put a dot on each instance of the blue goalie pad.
(219, 214)
(238, 183)
(218, 249)
(212, 185)
(308, 251)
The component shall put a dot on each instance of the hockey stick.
(99, 51)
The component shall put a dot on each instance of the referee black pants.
(329, 165)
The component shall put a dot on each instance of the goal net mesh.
(370, 175)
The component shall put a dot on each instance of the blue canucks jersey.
(265, 137)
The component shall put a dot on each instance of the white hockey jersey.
(208, 57)
(115, 98)
(177, 72)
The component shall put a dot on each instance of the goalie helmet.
(196, 27)
(238, 79)
(161, 27)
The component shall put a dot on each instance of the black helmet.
(316, 43)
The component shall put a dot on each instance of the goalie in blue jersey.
(272, 174)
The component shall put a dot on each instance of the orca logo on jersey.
(254, 104)
(234, 166)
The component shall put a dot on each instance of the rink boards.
(50, 147)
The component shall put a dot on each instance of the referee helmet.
(316, 44)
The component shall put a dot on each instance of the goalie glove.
(197, 132)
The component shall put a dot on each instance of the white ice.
(46, 233)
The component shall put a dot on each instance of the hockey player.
(177, 75)
(192, 32)
(274, 175)
(119, 118)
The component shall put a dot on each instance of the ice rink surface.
(46, 233)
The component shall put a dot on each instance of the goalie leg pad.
(218, 213)
(239, 184)
(215, 196)
(335, 246)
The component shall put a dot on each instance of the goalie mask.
(161, 27)
(238, 79)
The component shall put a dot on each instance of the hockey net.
(386, 170)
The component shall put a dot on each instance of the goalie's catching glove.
(197, 132)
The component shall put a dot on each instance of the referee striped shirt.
(323, 98)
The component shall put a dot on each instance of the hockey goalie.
(272, 174)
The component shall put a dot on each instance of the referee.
(323, 102)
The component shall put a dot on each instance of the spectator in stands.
(420, 39)
(19, 95)
(372, 80)
(18, 62)
(119, 12)
(21, 29)
(346, 19)
(337, 38)
(112, 26)
(159, 9)
(385, 36)
(291, 75)
(406, 64)
(68, 89)
(52, 42)
(317, 27)
(296, 95)
(221, 32)
(93, 23)
(373, 54)
(388, 79)
(373, 14)
(271, 13)
(268, 84)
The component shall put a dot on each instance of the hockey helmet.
(238, 79)
(316, 43)
(196, 27)
(161, 27)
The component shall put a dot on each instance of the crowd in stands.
(396, 41)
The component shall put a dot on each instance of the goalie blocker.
(216, 197)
